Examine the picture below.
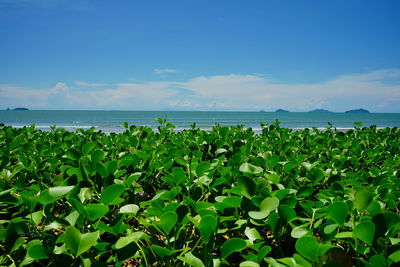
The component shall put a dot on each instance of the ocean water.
(111, 121)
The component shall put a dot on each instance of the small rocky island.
(18, 109)
(320, 111)
(360, 110)
(281, 110)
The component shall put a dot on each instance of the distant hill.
(320, 111)
(281, 110)
(20, 109)
(360, 110)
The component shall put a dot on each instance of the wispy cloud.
(164, 71)
(81, 83)
(36, 98)
(378, 91)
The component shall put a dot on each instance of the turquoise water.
(111, 121)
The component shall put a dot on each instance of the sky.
(226, 55)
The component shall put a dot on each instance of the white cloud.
(125, 96)
(370, 90)
(82, 83)
(20, 96)
(164, 71)
(378, 91)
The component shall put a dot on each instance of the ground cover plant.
(219, 197)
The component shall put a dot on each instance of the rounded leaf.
(132, 237)
(232, 245)
(207, 227)
(168, 221)
(88, 147)
(130, 209)
(362, 199)
(250, 168)
(338, 211)
(192, 260)
(95, 211)
(162, 252)
(73, 154)
(299, 231)
(249, 264)
(202, 167)
(97, 156)
(365, 231)
(36, 250)
(111, 193)
(308, 247)
(247, 186)
(79, 243)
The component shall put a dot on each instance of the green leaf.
(207, 227)
(378, 261)
(232, 201)
(79, 207)
(384, 222)
(95, 211)
(273, 177)
(53, 194)
(168, 221)
(262, 252)
(308, 165)
(252, 234)
(309, 248)
(286, 212)
(192, 260)
(130, 209)
(232, 245)
(247, 186)
(202, 168)
(395, 256)
(73, 154)
(365, 231)
(132, 237)
(338, 211)
(249, 264)
(268, 205)
(112, 193)
(36, 250)
(88, 147)
(162, 252)
(179, 175)
(36, 217)
(330, 228)
(362, 199)
(344, 235)
(59, 191)
(85, 194)
(97, 156)
(300, 260)
(299, 231)
(250, 168)
(79, 243)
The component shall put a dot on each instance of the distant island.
(20, 109)
(360, 110)
(281, 110)
(320, 111)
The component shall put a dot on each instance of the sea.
(112, 121)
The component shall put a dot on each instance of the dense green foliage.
(201, 198)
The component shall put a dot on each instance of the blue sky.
(200, 55)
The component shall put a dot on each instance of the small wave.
(57, 126)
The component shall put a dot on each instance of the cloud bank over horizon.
(377, 91)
